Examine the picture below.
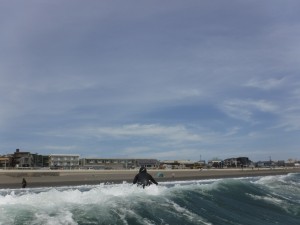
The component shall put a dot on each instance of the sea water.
(253, 201)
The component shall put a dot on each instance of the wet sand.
(53, 178)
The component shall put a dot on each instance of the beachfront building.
(178, 164)
(148, 163)
(215, 163)
(237, 162)
(266, 164)
(64, 161)
(22, 159)
(280, 163)
(117, 164)
(106, 163)
(5, 161)
(40, 161)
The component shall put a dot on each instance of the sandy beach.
(53, 178)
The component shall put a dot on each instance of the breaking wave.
(262, 200)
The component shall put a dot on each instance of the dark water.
(253, 201)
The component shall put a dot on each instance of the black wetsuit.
(143, 178)
(24, 183)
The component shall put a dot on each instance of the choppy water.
(253, 201)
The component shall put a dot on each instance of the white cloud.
(290, 119)
(263, 105)
(245, 109)
(232, 131)
(175, 133)
(265, 84)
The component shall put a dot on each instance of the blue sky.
(151, 79)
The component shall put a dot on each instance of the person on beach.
(24, 183)
(143, 178)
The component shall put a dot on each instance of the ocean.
(254, 201)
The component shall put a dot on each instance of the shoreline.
(11, 179)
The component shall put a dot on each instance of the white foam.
(95, 195)
(281, 203)
(270, 199)
(188, 214)
(63, 218)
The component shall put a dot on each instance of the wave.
(260, 200)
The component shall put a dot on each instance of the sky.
(163, 79)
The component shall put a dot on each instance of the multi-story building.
(40, 160)
(64, 161)
(215, 163)
(178, 164)
(148, 163)
(237, 162)
(22, 159)
(113, 163)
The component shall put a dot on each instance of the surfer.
(143, 178)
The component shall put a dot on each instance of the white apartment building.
(67, 161)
